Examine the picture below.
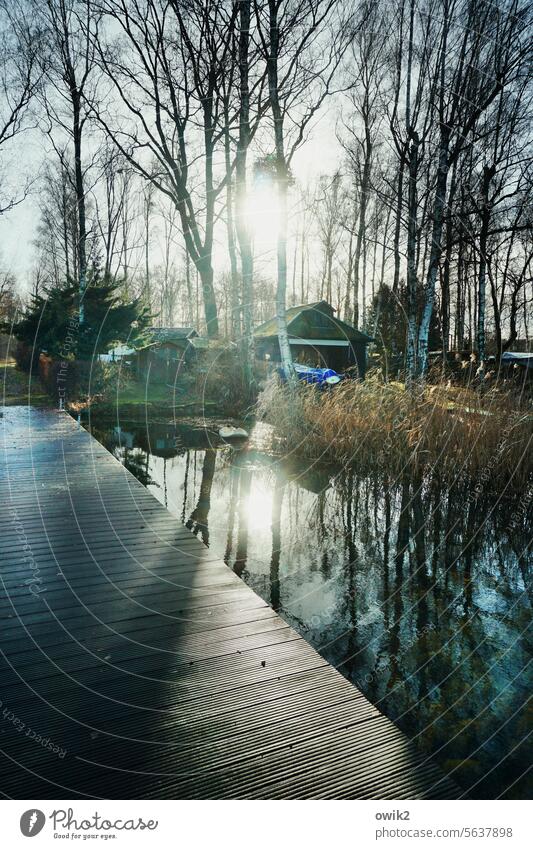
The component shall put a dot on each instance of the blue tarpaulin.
(317, 376)
(516, 358)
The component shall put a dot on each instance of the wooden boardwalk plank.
(136, 664)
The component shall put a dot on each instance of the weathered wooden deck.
(135, 664)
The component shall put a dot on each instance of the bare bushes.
(81, 380)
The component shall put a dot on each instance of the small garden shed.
(317, 338)
(169, 347)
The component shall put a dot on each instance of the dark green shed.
(316, 337)
(167, 350)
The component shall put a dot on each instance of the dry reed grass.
(457, 431)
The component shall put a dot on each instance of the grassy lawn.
(20, 388)
(133, 398)
(154, 393)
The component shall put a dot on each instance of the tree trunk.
(281, 291)
(302, 269)
(64, 214)
(282, 179)
(513, 314)
(436, 251)
(203, 263)
(397, 228)
(361, 230)
(497, 317)
(445, 287)
(488, 173)
(190, 301)
(349, 274)
(80, 200)
(230, 229)
(243, 232)
(374, 256)
(329, 274)
(410, 366)
(446, 298)
(147, 282)
(205, 270)
(294, 299)
(201, 251)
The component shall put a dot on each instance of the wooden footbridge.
(135, 664)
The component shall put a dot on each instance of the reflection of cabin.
(316, 338)
(159, 440)
(124, 438)
(168, 348)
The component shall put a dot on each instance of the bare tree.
(410, 127)
(20, 79)
(330, 214)
(190, 103)
(68, 68)
(362, 130)
(57, 230)
(302, 42)
(166, 64)
(111, 201)
(170, 277)
(9, 300)
(481, 52)
(241, 160)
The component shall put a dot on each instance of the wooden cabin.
(317, 338)
(167, 350)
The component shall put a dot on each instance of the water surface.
(416, 592)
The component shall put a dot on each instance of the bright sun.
(262, 211)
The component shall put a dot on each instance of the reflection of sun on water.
(259, 507)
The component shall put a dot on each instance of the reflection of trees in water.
(198, 520)
(233, 493)
(349, 516)
(241, 554)
(425, 587)
(277, 503)
(437, 502)
(137, 462)
(431, 657)
(386, 553)
(185, 485)
(393, 644)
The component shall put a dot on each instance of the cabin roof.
(311, 318)
(116, 353)
(169, 335)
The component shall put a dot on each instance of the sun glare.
(262, 211)
(259, 507)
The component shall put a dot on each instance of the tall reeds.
(455, 431)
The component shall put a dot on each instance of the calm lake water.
(415, 592)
